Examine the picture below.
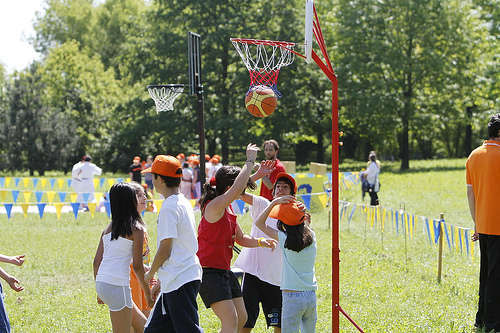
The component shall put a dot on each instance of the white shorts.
(115, 297)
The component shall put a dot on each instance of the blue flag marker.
(101, 182)
(119, 180)
(85, 197)
(16, 181)
(445, 227)
(428, 230)
(108, 208)
(75, 206)
(35, 182)
(38, 195)
(41, 208)
(241, 206)
(52, 182)
(15, 194)
(8, 208)
(62, 196)
(69, 182)
(2, 181)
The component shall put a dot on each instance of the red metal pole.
(335, 210)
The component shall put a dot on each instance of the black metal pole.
(201, 133)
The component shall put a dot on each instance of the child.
(138, 296)
(298, 247)
(178, 267)
(121, 241)
(13, 283)
(217, 232)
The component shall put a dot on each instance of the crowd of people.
(278, 256)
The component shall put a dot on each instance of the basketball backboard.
(308, 41)
(194, 63)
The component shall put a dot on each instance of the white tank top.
(115, 264)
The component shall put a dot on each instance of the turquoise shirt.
(298, 267)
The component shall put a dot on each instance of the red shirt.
(216, 240)
(264, 191)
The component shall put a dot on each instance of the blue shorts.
(4, 319)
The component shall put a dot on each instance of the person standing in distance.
(83, 179)
(178, 267)
(134, 170)
(271, 149)
(483, 192)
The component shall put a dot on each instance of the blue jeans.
(4, 320)
(299, 312)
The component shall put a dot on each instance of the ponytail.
(208, 193)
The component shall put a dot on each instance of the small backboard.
(194, 63)
(308, 41)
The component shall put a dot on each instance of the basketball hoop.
(264, 59)
(164, 95)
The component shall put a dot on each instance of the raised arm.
(260, 222)
(249, 241)
(215, 209)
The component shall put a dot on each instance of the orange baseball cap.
(287, 176)
(207, 157)
(289, 214)
(180, 156)
(165, 165)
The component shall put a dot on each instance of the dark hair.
(298, 237)
(169, 181)
(224, 178)
(494, 126)
(124, 215)
(372, 156)
(86, 158)
(272, 142)
(288, 181)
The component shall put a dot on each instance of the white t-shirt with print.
(176, 221)
(262, 262)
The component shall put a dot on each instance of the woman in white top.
(371, 177)
(121, 242)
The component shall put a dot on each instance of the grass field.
(383, 289)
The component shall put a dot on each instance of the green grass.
(383, 287)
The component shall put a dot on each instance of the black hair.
(169, 181)
(288, 181)
(494, 126)
(224, 178)
(87, 158)
(372, 156)
(124, 215)
(298, 237)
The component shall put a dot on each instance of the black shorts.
(218, 285)
(256, 291)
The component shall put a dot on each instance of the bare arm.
(137, 264)
(249, 241)
(161, 256)
(12, 281)
(248, 198)
(260, 222)
(215, 209)
(98, 256)
(472, 210)
(267, 182)
(15, 260)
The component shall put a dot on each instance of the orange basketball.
(261, 101)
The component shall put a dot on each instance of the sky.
(16, 25)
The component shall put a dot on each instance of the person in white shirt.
(262, 266)
(83, 179)
(176, 262)
(370, 176)
(186, 180)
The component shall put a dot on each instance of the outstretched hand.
(17, 260)
(269, 243)
(265, 168)
(14, 284)
(251, 152)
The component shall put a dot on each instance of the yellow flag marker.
(323, 199)
(25, 208)
(27, 195)
(60, 183)
(111, 181)
(98, 196)
(73, 197)
(7, 181)
(3, 195)
(92, 207)
(26, 182)
(58, 206)
(158, 203)
(193, 202)
(50, 196)
(96, 182)
(43, 182)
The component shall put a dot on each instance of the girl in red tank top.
(217, 232)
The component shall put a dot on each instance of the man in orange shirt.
(483, 193)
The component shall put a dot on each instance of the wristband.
(259, 241)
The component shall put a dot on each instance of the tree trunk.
(320, 150)
(468, 132)
(404, 148)
(225, 106)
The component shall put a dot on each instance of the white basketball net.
(164, 96)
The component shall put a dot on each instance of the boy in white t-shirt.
(262, 266)
(178, 267)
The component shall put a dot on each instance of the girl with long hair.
(121, 242)
(217, 233)
(297, 243)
